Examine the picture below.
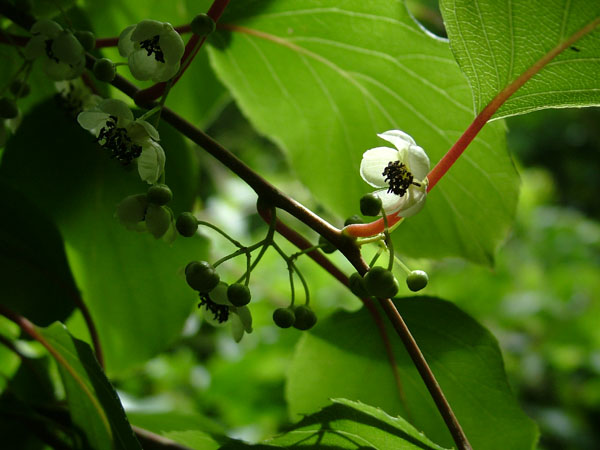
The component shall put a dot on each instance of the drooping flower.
(154, 50)
(113, 124)
(63, 55)
(400, 173)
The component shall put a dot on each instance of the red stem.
(191, 50)
(376, 227)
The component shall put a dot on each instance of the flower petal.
(373, 163)
(147, 29)
(165, 72)
(398, 138)
(140, 130)
(172, 46)
(117, 108)
(415, 201)
(126, 46)
(36, 47)
(417, 162)
(390, 201)
(151, 162)
(143, 66)
(92, 120)
(48, 28)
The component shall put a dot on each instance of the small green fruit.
(104, 70)
(370, 205)
(158, 220)
(201, 276)
(417, 280)
(159, 194)
(187, 224)
(8, 108)
(87, 39)
(305, 318)
(238, 294)
(381, 283)
(203, 25)
(284, 317)
(356, 283)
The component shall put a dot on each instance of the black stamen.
(151, 46)
(220, 312)
(399, 178)
(119, 143)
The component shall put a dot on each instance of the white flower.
(154, 50)
(63, 55)
(401, 172)
(113, 124)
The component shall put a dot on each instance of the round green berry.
(19, 88)
(381, 283)
(8, 108)
(159, 194)
(238, 294)
(186, 224)
(370, 205)
(104, 70)
(305, 318)
(203, 25)
(158, 220)
(417, 280)
(284, 317)
(356, 283)
(353, 220)
(87, 39)
(326, 246)
(201, 276)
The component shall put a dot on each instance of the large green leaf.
(344, 357)
(93, 403)
(131, 283)
(34, 274)
(322, 78)
(494, 42)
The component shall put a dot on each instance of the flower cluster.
(113, 124)
(153, 49)
(63, 55)
(400, 173)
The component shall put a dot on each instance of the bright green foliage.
(93, 404)
(337, 360)
(494, 42)
(131, 283)
(349, 425)
(322, 79)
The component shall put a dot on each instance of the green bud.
(201, 276)
(370, 205)
(187, 224)
(353, 220)
(104, 70)
(158, 220)
(87, 39)
(19, 88)
(203, 25)
(356, 283)
(381, 283)
(305, 318)
(8, 108)
(238, 294)
(284, 317)
(327, 246)
(159, 194)
(417, 280)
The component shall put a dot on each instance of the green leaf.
(495, 42)
(351, 425)
(9, 361)
(93, 403)
(132, 283)
(34, 274)
(345, 357)
(322, 79)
